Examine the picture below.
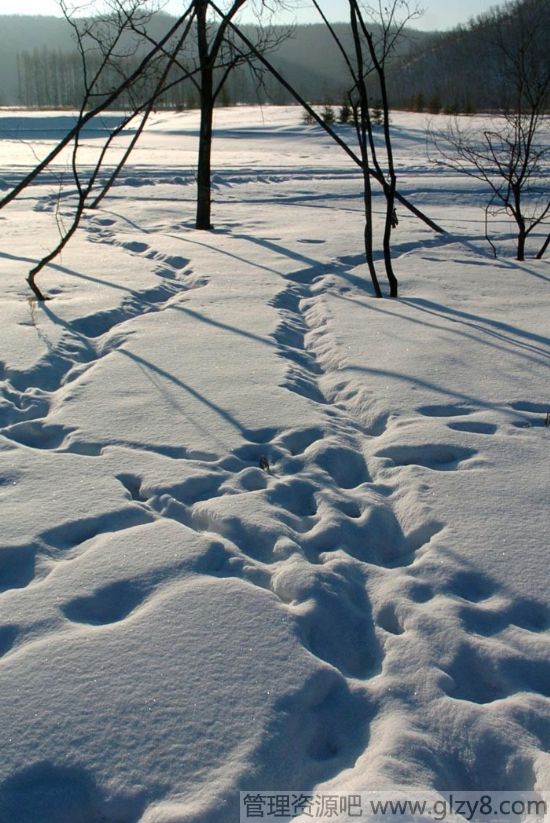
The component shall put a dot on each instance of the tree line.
(450, 72)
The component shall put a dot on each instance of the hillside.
(308, 57)
(459, 70)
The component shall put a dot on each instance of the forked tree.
(374, 33)
(218, 53)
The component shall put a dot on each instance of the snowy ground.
(177, 623)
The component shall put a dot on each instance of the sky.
(438, 14)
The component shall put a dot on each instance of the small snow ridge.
(74, 533)
(298, 440)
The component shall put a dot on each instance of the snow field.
(263, 531)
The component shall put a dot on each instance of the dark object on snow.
(394, 220)
(263, 463)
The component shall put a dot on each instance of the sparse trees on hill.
(511, 157)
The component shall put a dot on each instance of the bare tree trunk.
(204, 201)
(521, 244)
(522, 228)
(363, 129)
(204, 167)
(147, 109)
(389, 190)
(120, 165)
(390, 187)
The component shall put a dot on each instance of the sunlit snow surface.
(178, 623)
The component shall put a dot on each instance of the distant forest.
(433, 71)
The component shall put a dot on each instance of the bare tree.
(106, 43)
(368, 169)
(510, 157)
(374, 31)
(218, 54)
(107, 35)
(97, 106)
(223, 47)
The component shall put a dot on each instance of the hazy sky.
(439, 14)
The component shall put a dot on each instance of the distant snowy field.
(179, 624)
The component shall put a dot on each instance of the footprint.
(420, 592)
(298, 440)
(136, 247)
(445, 410)
(296, 496)
(132, 484)
(435, 456)
(335, 726)
(176, 262)
(264, 435)
(38, 435)
(474, 426)
(532, 408)
(484, 674)
(334, 618)
(137, 303)
(346, 466)
(469, 585)
(104, 221)
(17, 567)
(193, 489)
(109, 604)
(350, 508)
(301, 381)
(525, 614)
(55, 794)
(8, 636)
(388, 620)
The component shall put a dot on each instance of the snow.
(261, 530)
